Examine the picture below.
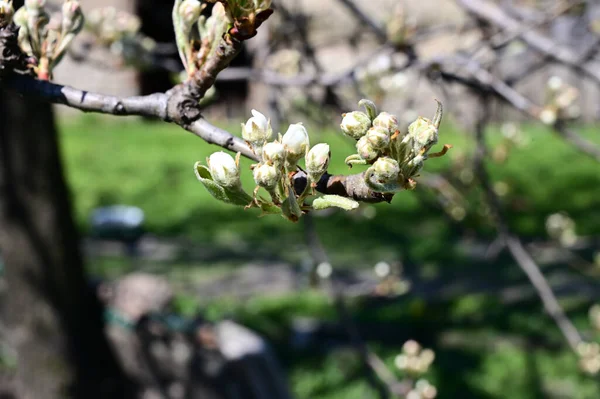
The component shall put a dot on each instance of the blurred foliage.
(485, 348)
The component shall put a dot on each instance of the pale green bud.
(34, 4)
(424, 134)
(189, 12)
(72, 20)
(296, 143)
(414, 166)
(386, 121)
(355, 124)
(267, 176)
(6, 12)
(386, 169)
(257, 130)
(274, 154)
(317, 161)
(365, 149)
(378, 137)
(224, 170)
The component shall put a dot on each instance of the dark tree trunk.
(54, 319)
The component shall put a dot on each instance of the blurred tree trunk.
(54, 319)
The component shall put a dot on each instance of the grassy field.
(485, 347)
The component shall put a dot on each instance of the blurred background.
(429, 296)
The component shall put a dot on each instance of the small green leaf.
(238, 196)
(203, 174)
(229, 196)
(329, 201)
(290, 208)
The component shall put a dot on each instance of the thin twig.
(514, 245)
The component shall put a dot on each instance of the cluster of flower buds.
(395, 158)
(423, 389)
(560, 102)
(6, 12)
(244, 15)
(561, 227)
(46, 38)
(414, 360)
(589, 357)
(278, 163)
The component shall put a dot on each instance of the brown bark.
(54, 319)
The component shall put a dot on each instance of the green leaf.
(290, 208)
(330, 201)
(203, 174)
(234, 196)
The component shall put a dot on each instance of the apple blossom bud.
(355, 124)
(267, 176)
(34, 4)
(424, 134)
(387, 121)
(189, 12)
(317, 161)
(6, 12)
(365, 149)
(296, 143)
(224, 170)
(257, 130)
(72, 20)
(379, 137)
(386, 169)
(274, 154)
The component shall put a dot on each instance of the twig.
(365, 19)
(514, 245)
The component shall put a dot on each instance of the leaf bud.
(296, 143)
(317, 161)
(267, 176)
(355, 124)
(224, 170)
(365, 149)
(378, 137)
(387, 121)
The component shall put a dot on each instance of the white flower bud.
(365, 149)
(378, 137)
(72, 16)
(257, 129)
(267, 176)
(34, 4)
(224, 170)
(317, 160)
(386, 170)
(411, 348)
(386, 121)
(355, 124)
(189, 12)
(6, 12)
(274, 154)
(296, 143)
